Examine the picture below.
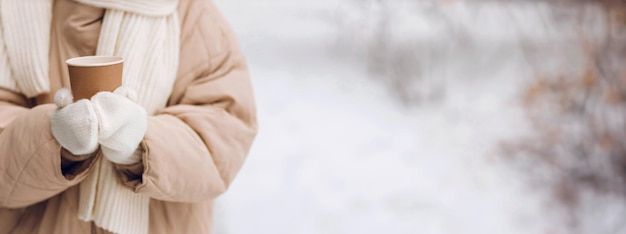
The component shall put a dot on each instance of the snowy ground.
(336, 153)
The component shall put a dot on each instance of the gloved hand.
(122, 124)
(74, 125)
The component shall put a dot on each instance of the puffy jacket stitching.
(19, 175)
(147, 179)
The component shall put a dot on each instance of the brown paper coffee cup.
(92, 74)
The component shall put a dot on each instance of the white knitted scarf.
(146, 33)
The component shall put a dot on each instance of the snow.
(337, 153)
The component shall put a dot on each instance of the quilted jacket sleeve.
(30, 158)
(194, 147)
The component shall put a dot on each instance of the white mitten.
(123, 125)
(74, 125)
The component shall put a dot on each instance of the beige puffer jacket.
(193, 148)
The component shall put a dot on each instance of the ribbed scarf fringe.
(26, 41)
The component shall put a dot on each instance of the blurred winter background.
(432, 116)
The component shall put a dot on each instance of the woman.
(147, 158)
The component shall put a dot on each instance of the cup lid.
(94, 61)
